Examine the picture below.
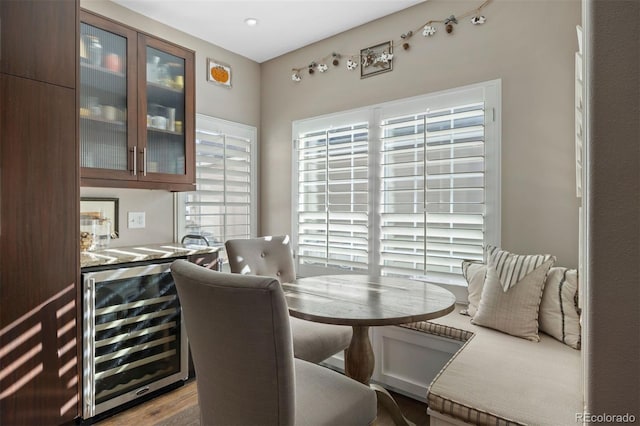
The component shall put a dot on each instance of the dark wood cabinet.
(137, 108)
(39, 253)
(40, 357)
(38, 40)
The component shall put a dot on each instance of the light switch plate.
(136, 220)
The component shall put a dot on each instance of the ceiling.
(283, 25)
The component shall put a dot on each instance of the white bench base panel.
(406, 361)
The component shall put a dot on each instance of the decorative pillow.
(513, 310)
(511, 268)
(559, 312)
(474, 272)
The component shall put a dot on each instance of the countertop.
(141, 253)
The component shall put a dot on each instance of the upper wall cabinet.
(137, 109)
(37, 41)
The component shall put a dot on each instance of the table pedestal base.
(359, 360)
(358, 364)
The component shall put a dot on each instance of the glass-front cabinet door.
(137, 108)
(166, 116)
(108, 116)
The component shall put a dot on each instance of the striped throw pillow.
(511, 268)
(559, 313)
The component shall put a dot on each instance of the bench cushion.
(500, 379)
(456, 332)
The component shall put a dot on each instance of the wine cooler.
(134, 341)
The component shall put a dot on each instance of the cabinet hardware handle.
(135, 160)
(144, 161)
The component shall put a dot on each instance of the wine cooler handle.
(142, 391)
(89, 347)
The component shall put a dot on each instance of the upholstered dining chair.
(272, 257)
(238, 328)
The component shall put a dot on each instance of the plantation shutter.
(333, 197)
(402, 188)
(432, 201)
(222, 207)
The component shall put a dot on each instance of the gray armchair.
(238, 327)
(272, 257)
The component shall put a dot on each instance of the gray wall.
(612, 344)
(240, 103)
(158, 208)
(530, 45)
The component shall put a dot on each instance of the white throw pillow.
(559, 312)
(474, 272)
(514, 309)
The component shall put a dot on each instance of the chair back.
(240, 338)
(268, 256)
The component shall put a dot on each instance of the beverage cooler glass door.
(134, 340)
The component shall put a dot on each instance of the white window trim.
(492, 94)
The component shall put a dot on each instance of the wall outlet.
(136, 220)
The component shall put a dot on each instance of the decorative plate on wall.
(218, 73)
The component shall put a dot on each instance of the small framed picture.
(218, 73)
(376, 59)
(94, 208)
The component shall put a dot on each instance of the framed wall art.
(100, 208)
(376, 59)
(218, 73)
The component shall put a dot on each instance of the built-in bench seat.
(499, 379)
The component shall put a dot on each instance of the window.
(224, 204)
(404, 188)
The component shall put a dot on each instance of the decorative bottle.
(95, 51)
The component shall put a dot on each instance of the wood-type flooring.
(179, 407)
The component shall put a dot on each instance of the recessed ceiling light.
(252, 22)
